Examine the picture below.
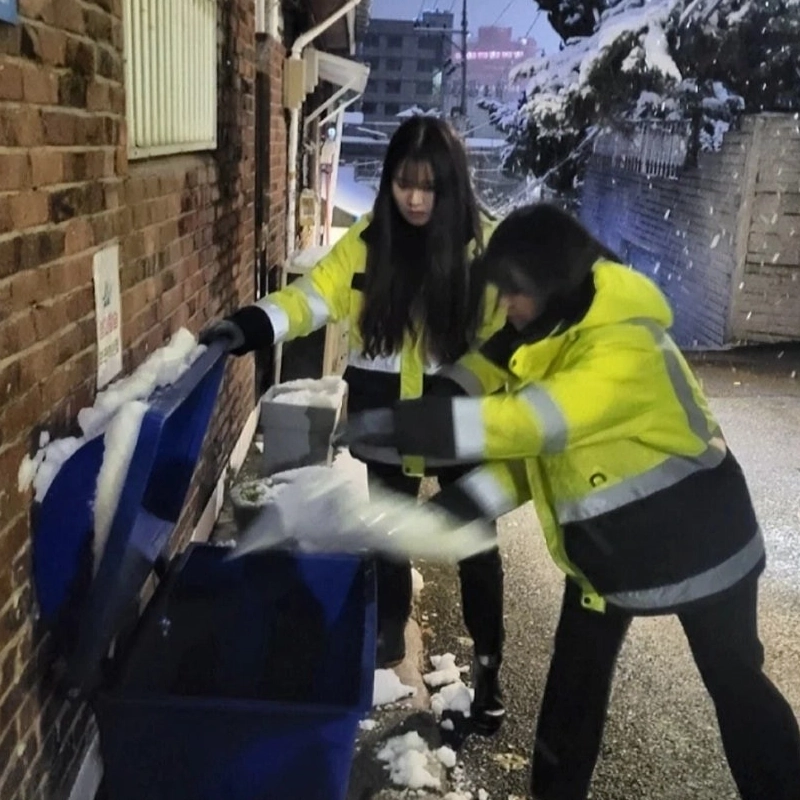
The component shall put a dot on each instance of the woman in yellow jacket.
(403, 277)
(642, 503)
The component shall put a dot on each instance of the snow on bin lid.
(88, 610)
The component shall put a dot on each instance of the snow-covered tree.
(699, 60)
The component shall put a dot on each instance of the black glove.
(222, 330)
(375, 427)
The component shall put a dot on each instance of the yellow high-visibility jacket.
(606, 429)
(332, 292)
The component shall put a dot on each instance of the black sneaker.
(487, 710)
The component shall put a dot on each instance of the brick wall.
(185, 226)
(722, 240)
(276, 209)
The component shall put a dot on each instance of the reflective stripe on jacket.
(633, 484)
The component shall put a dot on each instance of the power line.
(535, 20)
(502, 13)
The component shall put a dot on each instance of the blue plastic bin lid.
(85, 614)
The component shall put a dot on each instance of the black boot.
(487, 711)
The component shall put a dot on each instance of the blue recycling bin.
(241, 678)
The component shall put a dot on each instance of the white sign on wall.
(107, 314)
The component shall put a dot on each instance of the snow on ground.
(446, 671)
(389, 688)
(455, 697)
(410, 762)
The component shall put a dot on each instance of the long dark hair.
(419, 279)
(543, 251)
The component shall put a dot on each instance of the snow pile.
(117, 414)
(409, 762)
(367, 724)
(447, 757)
(120, 442)
(389, 688)
(320, 393)
(482, 795)
(445, 671)
(163, 367)
(455, 697)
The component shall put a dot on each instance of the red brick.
(29, 209)
(45, 44)
(12, 503)
(80, 57)
(40, 10)
(39, 85)
(98, 96)
(6, 222)
(80, 236)
(64, 276)
(86, 199)
(64, 380)
(10, 40)
(69, 16)
(15, 172)
(20, 415)
(10, 82)
(47, 167)
(72, 90)
(99, 26)
(40, 248)
(60, 128)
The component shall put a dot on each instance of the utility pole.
(464, 62)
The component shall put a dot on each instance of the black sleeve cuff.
(256, 327)
(424, 427)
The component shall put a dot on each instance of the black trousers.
(481, 575)
(759, 731)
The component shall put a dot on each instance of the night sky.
(517, 14)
